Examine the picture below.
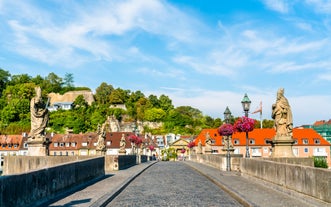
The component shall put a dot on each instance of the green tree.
(118, 96)
(165, 103)
(154, 114)
(52, 83)
(68, 82)
(4, 79)
(20, 79)
(103, 92)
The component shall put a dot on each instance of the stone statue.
(39, 118)
(208, 143)
(199, 147)
(282, 114)
(122, 143)
(101, 137)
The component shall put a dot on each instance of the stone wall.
(315, 182)
(31, 188)
(218, 160)
(21, 164)
(119, 162)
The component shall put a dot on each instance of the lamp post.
(227, 116)
(246, 104)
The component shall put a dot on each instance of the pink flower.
(244, 124)
(191, 145)
(151, 147)
(225, 130)
(183, 151)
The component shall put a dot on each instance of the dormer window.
(108, 143)
(84, 144)
(56, 144)
(252, 141)
(317, 141)
(295, 141)
(236, 141)
(305, 141)
(67, 144)
(73, 144)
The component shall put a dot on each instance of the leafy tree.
(52, 83)
(80, 102)
(154, 114)
(165, 103)
(68, 82)
(118, 96)
(103, 92)
(154, 101)
(38, 80)
(4, 78)
(20, 79)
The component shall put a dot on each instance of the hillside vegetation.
(16, 92)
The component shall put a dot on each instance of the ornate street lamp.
(246, 104)
(227, 116)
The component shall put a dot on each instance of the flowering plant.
(244, 124)
(191, 145)
(226, 130)
(151, 147)
(135, 139)
(183, 151)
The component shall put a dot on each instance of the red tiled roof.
(261, 135)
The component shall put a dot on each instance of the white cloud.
(320, 6)
(277, 5)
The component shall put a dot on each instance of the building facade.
(307, 143)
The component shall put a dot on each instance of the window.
(108, 143)
(295, 141)
(60, 153)
(236, 141)
(213, 141)
(95, 144)
(317, 141)
(55, 144)
(67, 153)
(265, 149)
(67, 144)
(252, 141)
(84, 144)
(54, 153)
(73, 144)
(305, 141)
(306, 150)
(72, 153)
(61, 144)
(267, 141)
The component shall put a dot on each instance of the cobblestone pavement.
(172, 184)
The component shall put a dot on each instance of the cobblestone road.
(172, 184)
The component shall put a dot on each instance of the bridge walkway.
(246, 190)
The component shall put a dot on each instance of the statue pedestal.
(101, 152)
(37, 148)
(282, 146)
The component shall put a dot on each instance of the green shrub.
(320, 162)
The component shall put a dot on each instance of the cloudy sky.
(205, 54)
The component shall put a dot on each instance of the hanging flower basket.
(183, 151)
(226, 130)
(191, 145)
(244, 124)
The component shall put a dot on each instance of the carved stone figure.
(199, 151)
(101, 137)
(39, 118)
(122, 143)
(282, 114)
(208, 143)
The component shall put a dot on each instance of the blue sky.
(205, 54)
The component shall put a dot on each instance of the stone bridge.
(200, 181)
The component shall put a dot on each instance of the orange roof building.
(308, 142)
